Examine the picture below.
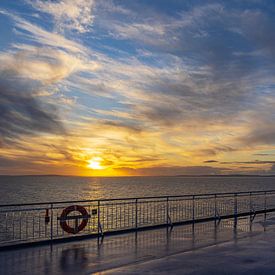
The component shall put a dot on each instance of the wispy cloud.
(74, 15)
(140, 87)
(29, 75)
(22, 112)
(41, 36)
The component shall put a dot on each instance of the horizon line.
(181, 175)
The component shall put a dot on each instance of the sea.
(33, 189)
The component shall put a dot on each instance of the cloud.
(22, 111)
(74, 15)
(216, 69)
(155, 28)
(27, 88)
(42, 64)
(260, 129)
(201, 77)
(37, 34)
(182, 88)
(260, 162)
(267, 138)
(176, 170)
(264, 154)
(210, 161)
(120, 125)
(263, 134)
(260, 35)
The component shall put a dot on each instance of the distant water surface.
(24, 189)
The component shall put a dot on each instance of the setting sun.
(95, 163)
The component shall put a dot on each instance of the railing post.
(98, 218)
(235, 204)
(20, 224)
(136, 216)
(265, 206)
(235, 209)
(51, 221)
(193, 206)
(167, 210)
(215, 202)
(250, 204)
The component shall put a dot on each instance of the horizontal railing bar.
(39, 221)
(219, 195)
(34, 209)
(24, 210)
(73, 217)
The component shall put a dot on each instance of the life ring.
(64, 217)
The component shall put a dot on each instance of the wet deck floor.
(180, 250)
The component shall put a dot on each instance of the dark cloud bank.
(22, 112)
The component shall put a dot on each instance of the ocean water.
(28, 189)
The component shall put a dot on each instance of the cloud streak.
(134, 81)
(74, 15)
(22, 112)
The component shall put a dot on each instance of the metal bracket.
(254, 215)
(100, 230)
(170, 222)
(218, 217)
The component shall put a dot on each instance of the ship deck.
(204, 248)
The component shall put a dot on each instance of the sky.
(121, 88)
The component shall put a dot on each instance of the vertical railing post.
(20, 225)
(235, 204)
(193, 208)
(98, 218)
(51, 221)
(136, 216)
(215, 202)
(167, 210)
(250, 204)
(235, 209)
(265, 206)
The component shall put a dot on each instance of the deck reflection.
(95, 255)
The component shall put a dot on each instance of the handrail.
(219, 194)
(39, 222)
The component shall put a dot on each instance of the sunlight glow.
(95, 163)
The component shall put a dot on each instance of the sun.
(95, 163)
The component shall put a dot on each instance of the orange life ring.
(66, 212)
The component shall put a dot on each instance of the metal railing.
(26, 223)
